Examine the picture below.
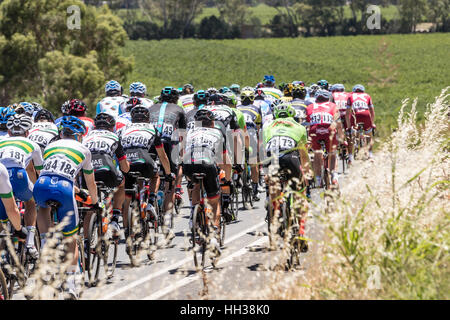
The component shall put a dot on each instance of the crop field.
(391, 68)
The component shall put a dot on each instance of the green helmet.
(283, 110)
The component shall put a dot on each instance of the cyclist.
(205, 150)
(200, 100)
(63, 160)
(5, 113)
(285, 147)
(264, 106)
(138, 139)
(113, 102)
(322, 117)
(236, 89)
(76, 108)
(23, 159)
(311, 92)
(186, 99)
(360, 103)
(44, 129)
(253, 119)
(125, 118)
(287, 92)
(323, 84)
(109, 161)
(8, 207)
(269, 89)
(299, 103)
(169, 119)
(139, 90)
(340, 97)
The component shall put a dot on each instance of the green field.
(392, 67)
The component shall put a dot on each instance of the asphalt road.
(245, 266)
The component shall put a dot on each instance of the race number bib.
(280, 144)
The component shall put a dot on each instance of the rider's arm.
(372, 111)
(91, 185)
(348, 113)
(12, 211)
(32, 173)
(122, 157)
(164, 159)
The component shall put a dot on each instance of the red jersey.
(88, 122)
(340, 99)
(321, 114)
(360, 102)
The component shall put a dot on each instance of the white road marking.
(172, 266)
(194, 277)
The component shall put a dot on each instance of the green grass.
(391, 68)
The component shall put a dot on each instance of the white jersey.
(65, 158)
(102, 142)
(43, 133)
(272, 94)
(17, 152)
(5, 185)
(3, 135)
(139, 135)
(204, 145)
(186, 102)
(145, 102)
(112, 105)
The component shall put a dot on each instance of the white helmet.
(19, 124)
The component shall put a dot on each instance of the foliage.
(35, 40)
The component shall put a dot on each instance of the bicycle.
(247, 191)
(201, 227)
(140, 220)
(102, 245)
(359, 140)
(4, 294)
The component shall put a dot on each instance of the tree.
(411, 13)
(234, 12)
(439, 13)
(287, 16)
(176, 16)
(37, 48)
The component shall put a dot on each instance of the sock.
(30, 236)
(43, 239)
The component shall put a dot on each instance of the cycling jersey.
(240, 118)
(112, 105)
(17, 152)
(43, 133)
(204, 146)
(252, 115)
(5, 192)
(139, 135)
(144, 101)
(123, 120)
(225, 116)
(360, 103)
(283, 134)
(266, 111)
(320, 116)
(340, 99)
(272, 94)
(300, 107)
(3, 134)
(186, 102)
(167, 118)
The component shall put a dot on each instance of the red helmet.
(76, 105)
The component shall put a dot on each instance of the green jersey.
(283, 134)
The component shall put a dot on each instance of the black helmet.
(140, 114)
(217, 98)
(204, 114)
(104, 120)
(201, 97)
(131, 103)
(169, 94)
(44, 114)
(188, 89)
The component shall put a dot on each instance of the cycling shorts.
(106, 170)
(211, 180)
(290, 163)
(56, 188)
(325, 134)
(21, 185)
(366, 118)
(173, 153)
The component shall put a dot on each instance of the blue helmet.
(359, 87)
(71, 126)
(5, 113)
(112, 86)
(269, 80)
(138, 87)
(25, 107)
(224, 90)
(322, 93)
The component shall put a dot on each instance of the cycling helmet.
(322, 95)
(259, 93)
(359, 88)
(37, 106)
(131, 103)
(235, 88)
(75, 106)
(224, 90)
(248, 88)
(212, 90)
(65, 107)
(25, 107)
(287, 91)
(19, 124)
(323, 84)
(113, 87)
(281, 86)
(230, 98)
(72, 126)
(298, 82)
(138, 88)
(140, 113)
(104, 120)
(248, 95)
(188, 89)
(259, 85)
(44, 114)
(216, 98)
(337, 88)
(204, 114)
(298, 91)
(269, 80)
(201, 97)
(313, 88)
(283, 110)
(5, 114)
(169, 94)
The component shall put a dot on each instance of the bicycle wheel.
(110, 256)
(133, 233)
(94, 252)
(29, 264)
(294, 243)
(4, 294)
(223, 224)
(246, 191)
(199, 235)
(81, 263)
